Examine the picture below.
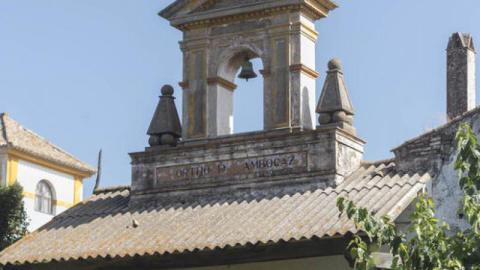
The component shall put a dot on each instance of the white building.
(52, 179)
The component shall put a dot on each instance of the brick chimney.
(461, 56)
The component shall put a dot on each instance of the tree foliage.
(13, 218)
(428, 245)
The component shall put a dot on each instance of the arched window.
(44, 198)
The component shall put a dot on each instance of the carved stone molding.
(265, 72)
(222, 82)
(305, 70)
(184, 84)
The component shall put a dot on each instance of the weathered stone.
(217, 40)
(165, 127)
(335, 100)
(325, 118)
(277, 163)
(461, 56)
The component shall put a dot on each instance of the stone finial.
(165, 127)
(461, 41)
(460, 75)
(335, 105)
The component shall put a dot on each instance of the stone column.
(277, 96)
(303, 74)
(290, 81)
(220, 106)
(461, 56)
(194, 85)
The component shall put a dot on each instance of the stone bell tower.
(194, 161)
(219, 34)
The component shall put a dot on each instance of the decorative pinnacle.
(165, 128)
(334, 64)
(167, 90)
(335, 105)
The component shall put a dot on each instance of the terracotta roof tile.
(102, 226)
(14, 135)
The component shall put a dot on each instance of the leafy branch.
(426, 244)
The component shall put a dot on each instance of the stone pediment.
(220, 4)
(182, 12)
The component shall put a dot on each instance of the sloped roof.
(103, 225)
(16, 136)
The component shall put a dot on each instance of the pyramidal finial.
(334, 105)
(165, 127)
(461, 41)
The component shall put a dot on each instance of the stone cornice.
(307, 31)
(184, 84)
(316, 9)
(265, 72)
(305, 70)
(222, 82)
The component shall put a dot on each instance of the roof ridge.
(378, 162)
(8, 123)
(440, 127)
(42, 138)
(105, 190)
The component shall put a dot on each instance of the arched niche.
(232, 59)
(226, 88)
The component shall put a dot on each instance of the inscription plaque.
(232, 167)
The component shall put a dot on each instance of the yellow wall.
(78, 190)
(12, 170)
(317, 263)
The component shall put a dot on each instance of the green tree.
(13, 219)
(428, 246)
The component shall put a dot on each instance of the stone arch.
(213, 54)
(229, 63)
(231, 59)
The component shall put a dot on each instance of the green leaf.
(13, 218)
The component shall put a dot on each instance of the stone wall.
(436, 150)
(271, 163)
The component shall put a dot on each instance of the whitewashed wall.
(29, 175)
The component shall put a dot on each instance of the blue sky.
(86, 74)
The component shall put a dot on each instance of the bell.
(247, 70)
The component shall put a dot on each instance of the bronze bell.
(247, 70)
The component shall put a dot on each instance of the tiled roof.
(104, 226)
(14, 135)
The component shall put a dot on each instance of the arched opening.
(248, 98)
(248, 101)
(45, 198)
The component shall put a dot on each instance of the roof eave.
(83, 171)
(439, 128)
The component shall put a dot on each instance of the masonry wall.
(29, 175)
(436, 151)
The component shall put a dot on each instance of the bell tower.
(220, 35)
(194, 161)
